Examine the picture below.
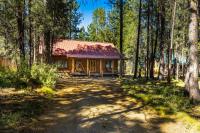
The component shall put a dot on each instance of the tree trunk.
(177, 70)
(51, 47)
(34, 46)
(121, 36)
(177, 65)
(30, 35)
(138, 41)
(155, 47)
(191, 79)
(47, 42)
(20, 26)
(148, 38)
(162, 40)
(171, 44)
(182, 64)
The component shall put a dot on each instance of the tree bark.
(138, 41)
(148, 38)
(191, 79)
(47, 42)
(34, 47)
(155, 47)
(30, 35)
(20, 26)
(182, 63)
(121, 36)
(162, 40)
(177, 70)
(171, 43)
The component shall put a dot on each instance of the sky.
(87, 7)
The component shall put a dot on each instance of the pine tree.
(191, 78)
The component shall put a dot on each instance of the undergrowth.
(158, 95)
(21, 110)
(162, 98)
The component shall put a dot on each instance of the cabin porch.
(87, 67)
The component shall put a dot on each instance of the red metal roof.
(84, 49)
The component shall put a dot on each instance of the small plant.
(167, 99)
(47, 91)
(45, 74)
(10, 119)
(22, 76)
(15, 78)
(7, 77)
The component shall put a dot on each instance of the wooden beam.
(73, 65)
(113, 66)
(87, 67)
(101, 67)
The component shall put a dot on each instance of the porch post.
(87, 67)
(101, 68)
(73, 65)
(113, 66)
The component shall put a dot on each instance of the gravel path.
(99, 106)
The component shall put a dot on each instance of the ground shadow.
(94, 106)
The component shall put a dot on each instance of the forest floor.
(102, 106)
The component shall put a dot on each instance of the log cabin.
(86, 58)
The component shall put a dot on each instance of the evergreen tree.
(24, 26)
(96, 29)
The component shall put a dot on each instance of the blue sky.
(88, 6)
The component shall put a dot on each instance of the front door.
(93, 66)
(79, 66)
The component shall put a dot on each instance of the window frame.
(108, 65)
(61, 63)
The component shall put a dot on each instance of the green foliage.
(47, 91)
(44, 74)
(188, 120)
(24, 111)
(163, 98)
(96, 29)
(10, 119)
(59, 18)
(22, 76)
(105, 26)
(13, 78)
(6, 77)
(83, 35)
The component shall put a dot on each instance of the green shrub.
(7, 77)
(165, 98)
(22, 76)
(47, 91)
(10, 119)
(15, 78)
(41, 74)
(45, 74)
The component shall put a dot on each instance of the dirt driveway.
(100, 106)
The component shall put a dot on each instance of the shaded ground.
(18, 107)
(85, 106)
(99, 106)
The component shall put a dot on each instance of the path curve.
(99, 106)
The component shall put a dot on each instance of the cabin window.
(61, 63)
(109, 65)
(79, 66)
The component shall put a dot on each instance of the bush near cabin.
(39, 74)
(20, 103)
(44, 74)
